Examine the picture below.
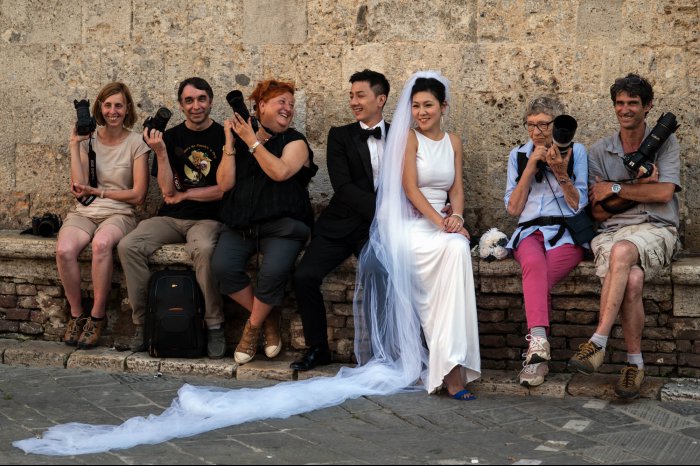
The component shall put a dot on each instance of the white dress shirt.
(376, 150)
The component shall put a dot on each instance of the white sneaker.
(538, 351)
(533, 375)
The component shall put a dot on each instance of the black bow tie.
(376, 132)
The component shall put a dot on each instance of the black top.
(257, 198)
(203, 150)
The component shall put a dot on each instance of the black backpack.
(175, 325)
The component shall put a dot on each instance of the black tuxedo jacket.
(350, 170)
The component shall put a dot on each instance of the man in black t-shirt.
(185, 163)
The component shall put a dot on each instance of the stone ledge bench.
(32, 306)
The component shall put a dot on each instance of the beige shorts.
(656, 246)
(89, 225)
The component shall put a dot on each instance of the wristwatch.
(616, 188)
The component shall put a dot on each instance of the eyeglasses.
(541, 126)
(629, 80)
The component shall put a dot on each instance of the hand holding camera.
(244, 129)
(154, 127)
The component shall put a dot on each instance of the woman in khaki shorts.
(122, 181)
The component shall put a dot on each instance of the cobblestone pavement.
(408, 428)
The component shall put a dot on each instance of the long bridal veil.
(388, 342)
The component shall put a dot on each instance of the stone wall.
(32, 306)
(497, 53)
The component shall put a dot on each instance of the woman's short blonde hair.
(108, 91)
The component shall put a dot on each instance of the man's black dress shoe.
(315, 356)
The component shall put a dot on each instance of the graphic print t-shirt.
(203, 150)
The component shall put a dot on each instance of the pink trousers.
(542, 270)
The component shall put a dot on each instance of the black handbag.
(581, 227)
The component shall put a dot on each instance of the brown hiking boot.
(271, 335)
(73, 330)
(247, 347)
(92, 333)
(588, 359)
(630, 382)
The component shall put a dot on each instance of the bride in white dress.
(444, 287)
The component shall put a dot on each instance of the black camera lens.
(641, 161)
(563, 132)
(237, 103)
(86, 123)
(159, 121)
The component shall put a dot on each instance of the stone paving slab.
(414, 428)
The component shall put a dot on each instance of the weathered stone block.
(8, 326)
(8, 301)
(277, 369)
(31, 328)
(262, 19)
(224, 368)
(686, 300)
(142, 363)
(491, 316)
(103, 359)
(107, 22)
(26, 290)
(38, 354)
(17, 314)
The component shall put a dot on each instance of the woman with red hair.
(265, 170)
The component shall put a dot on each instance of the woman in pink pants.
(544, 185)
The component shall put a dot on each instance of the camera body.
(159, 121)
(47, 225)
(237, 103)
(86, 123)
(642, 160)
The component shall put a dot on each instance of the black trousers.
(322, 255)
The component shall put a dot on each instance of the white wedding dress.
(444, 294)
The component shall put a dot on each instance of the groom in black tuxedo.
(353, 155)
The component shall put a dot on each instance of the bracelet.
(252, 148)
(459, 217)
(227, 153)
(102, 194)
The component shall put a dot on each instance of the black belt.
(543, 222)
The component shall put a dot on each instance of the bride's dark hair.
(431, 85)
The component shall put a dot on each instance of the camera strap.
(92, 174)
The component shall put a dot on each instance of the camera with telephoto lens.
(642, 160)
(47, 225)
(237, 103)
(86, 123)
(563, 132)
(159, 121)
